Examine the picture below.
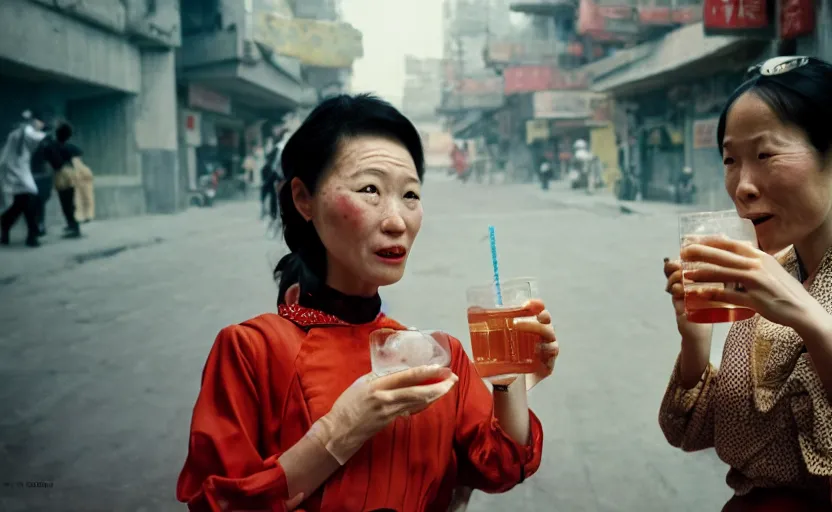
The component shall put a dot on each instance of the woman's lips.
(393, 254)
(761, 219)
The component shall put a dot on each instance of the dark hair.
(799, 97)
(63, 132)
(311, 150)
(286, 273)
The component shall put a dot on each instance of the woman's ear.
(292, 295)
(302, 199)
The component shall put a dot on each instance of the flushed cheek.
(347, 211)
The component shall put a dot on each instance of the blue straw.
(494, 264)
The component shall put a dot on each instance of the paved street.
(103, 341)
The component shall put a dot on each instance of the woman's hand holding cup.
(371, 403)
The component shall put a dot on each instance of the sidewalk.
(104, 238)
(603, 199)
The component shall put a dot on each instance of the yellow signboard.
(324, 44)
(537, 129)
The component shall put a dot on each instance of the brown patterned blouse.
(764, 410)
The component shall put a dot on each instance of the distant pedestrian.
(19, 191)
(84, 190)
(272, 175)
(62, 156)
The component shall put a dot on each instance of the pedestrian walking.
(19, 190)
(272, 176)
(62, 156)
(44, 179)
(84, 191)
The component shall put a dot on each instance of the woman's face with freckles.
(367, 212)
(774, 175)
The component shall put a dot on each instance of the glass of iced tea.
(501, 351)
(694, 227)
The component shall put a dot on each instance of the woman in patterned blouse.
(766, 410)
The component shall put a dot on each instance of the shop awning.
(678, 51)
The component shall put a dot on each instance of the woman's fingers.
(671, 266)
(549, 352)
(417, 398)
(701, 253)
(734, 246)
(717, 275)
(412, 377)
(545, 331)
(544, 317)
(535, 306)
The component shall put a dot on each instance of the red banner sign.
(666, 16)
(797, 18)
(736, 15)
(523, 79)
(608, 22)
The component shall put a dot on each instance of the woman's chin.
(387, 276)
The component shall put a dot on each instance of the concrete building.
(232, 85)
(108, 68)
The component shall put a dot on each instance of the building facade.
(164, 92)
(109, 68)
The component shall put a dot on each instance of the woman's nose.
(393, 224)
(747, 190)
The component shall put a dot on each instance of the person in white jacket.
(19, 191)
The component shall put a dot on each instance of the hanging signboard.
(523, 79)
(704, 133)
(747, 18)
(668, 16)
(565, 104)
(797, 18)
(325, 44)
(524, 52)
(608, 23)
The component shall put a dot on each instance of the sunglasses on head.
(776, 66)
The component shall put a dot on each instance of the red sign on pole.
(797, 18)
(736, 15)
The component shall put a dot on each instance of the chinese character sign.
(797, 18)
(736, 14)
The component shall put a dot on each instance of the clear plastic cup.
(500, 351)
(394, 350)
(694, 227)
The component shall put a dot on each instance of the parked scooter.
(203, 196)
(686, 189)
(581, 167)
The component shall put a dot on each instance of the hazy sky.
(392, 29)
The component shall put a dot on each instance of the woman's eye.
(411, 195)
(764, 156)
(369, 189)
(728, 161)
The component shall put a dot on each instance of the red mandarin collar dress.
(269, 379)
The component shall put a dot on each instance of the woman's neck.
(340, 280)
(813, 248)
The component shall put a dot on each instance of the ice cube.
(401, 350)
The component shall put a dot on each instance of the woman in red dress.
(288, 417)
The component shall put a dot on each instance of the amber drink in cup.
(696, 227)
(500, 350)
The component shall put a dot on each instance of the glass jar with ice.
(393, 351)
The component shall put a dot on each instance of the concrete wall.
(156, 132)
(44, 39)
